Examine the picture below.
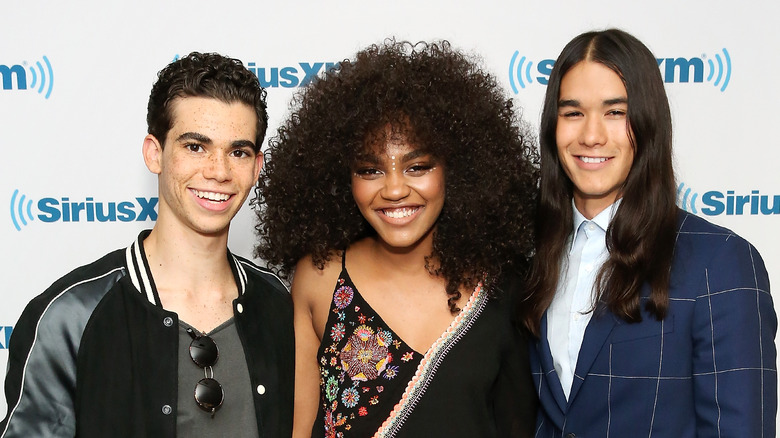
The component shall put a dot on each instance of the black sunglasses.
(209, 394)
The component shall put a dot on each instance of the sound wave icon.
(723, 70)
(518, 69)
(687, 199)
(19, 208)
(44, 83)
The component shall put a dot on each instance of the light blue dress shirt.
(572, 305)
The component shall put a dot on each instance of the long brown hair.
(640, 238)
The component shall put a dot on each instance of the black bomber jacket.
(95, 355)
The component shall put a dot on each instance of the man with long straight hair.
(649, 321)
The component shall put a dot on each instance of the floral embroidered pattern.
(365, 355)
(343, 297)
(337, 332)
(331, 389)
(332, 423)
(390, 372)
(350, 397)
(364, 366)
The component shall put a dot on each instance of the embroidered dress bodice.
(370, 379)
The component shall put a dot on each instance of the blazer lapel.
(546, 361)
(597, 332)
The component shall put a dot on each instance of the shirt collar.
(602, 219)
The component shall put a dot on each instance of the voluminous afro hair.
(446, 104)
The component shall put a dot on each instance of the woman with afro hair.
(400, 193)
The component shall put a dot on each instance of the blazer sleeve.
(734, 353)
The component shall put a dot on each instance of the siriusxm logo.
(41, 77)
(289, 77)
(714, 203)
(286, 76)
(53, 210)
(523, 71)
(5, 336)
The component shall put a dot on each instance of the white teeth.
(212, 196)
(398, 213)
(593, 159)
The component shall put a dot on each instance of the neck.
(408, 260)
(182, 259)
(591, 208)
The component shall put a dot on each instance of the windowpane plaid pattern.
(708, 369)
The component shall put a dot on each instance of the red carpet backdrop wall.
(75, 77)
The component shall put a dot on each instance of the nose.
(396, 187)
(217, 167)
(594, 133)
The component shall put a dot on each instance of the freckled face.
(593, 136)
(400, 192)
(207, 165)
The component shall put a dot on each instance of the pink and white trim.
(426, 370)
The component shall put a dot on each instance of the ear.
(152, 151)
(259, 159)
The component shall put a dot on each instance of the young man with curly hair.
(118, 347)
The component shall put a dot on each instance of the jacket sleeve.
(41, 375)
(734, 368)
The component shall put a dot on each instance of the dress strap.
(344, 260)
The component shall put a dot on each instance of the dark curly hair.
(204, 75)
(446, 104)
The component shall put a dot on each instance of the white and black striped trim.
(240, 273)
(141, 274)
(139, 271)
(263, 271)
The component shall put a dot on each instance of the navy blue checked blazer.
(707, 370)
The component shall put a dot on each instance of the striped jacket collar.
(141, 275)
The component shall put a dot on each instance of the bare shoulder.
(312, 291)
(312, 284)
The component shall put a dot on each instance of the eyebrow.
(194, 136)
(414, 154)
(616, 101)
(374, 159)
(237, 144)
(608, 102)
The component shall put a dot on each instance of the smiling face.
(208, 164)
(400, 191)
(592, 135)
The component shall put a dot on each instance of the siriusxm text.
(5, 336)
(9, 73)
(291, 76)
(65, 210)
(717, 203)
(680, 70)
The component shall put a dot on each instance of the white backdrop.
(75, 77)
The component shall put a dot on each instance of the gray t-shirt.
(236, 417)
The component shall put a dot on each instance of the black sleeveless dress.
(372, 384)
